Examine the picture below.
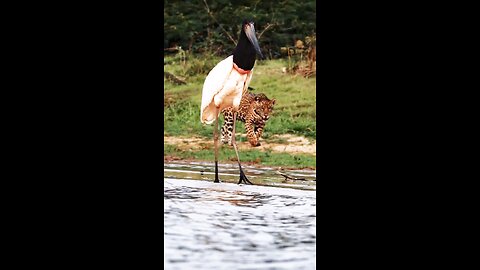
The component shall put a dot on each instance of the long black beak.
(250, 32)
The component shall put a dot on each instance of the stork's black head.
(249, 29)
(247, 48)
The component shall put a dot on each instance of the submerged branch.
(290, 177)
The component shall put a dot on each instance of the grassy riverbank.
(253, 156)
(294, 111)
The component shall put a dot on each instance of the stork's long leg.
(215, 141)
(242, 175)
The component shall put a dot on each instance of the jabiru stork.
(225, 85)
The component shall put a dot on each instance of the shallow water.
(270, 225)
(229, 173)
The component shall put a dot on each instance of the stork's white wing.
(213, 84)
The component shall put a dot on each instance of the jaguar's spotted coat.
(254, 111)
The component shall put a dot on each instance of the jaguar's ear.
(257, 98)
(273, 101)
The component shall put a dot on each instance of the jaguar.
(254, 111)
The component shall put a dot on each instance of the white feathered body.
(222, 88)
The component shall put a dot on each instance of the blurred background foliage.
(213, 26)
(198, 34)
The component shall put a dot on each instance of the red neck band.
(241, 71)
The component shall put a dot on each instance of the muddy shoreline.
(277, 143)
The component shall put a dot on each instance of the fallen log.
(173, 78)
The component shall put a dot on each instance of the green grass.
(294, 111)
(228, 154)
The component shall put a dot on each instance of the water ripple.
(229, 226)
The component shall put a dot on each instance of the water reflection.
(229, 226)
(229, 173)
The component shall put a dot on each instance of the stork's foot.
(216, 180)
(244, 179)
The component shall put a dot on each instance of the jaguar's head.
(263, 107)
